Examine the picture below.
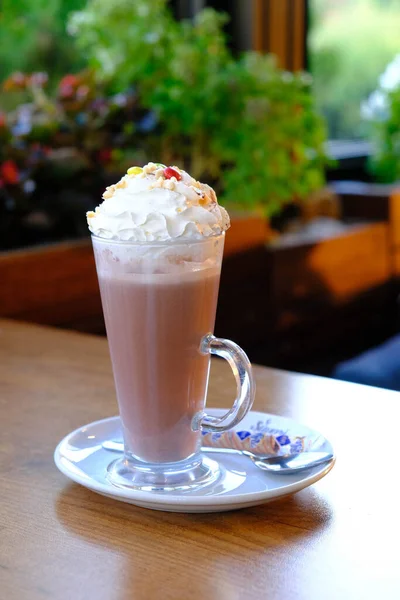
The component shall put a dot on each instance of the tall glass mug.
(159, 302)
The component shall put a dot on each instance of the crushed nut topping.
(149, 168)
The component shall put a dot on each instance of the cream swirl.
(158, 203)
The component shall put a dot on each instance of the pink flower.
(38, 79)
(68, 85)
(82, 92)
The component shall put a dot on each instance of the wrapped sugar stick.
(260, 442)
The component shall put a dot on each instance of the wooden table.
(336, 540)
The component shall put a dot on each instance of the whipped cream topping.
(158, 203)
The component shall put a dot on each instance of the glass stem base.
(168, 477)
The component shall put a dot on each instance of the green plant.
(244, 125)
(382, 109)
(33, 37)
(272, 140)
(385, 164)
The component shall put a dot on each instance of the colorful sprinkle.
(134, 170)
(170, 172)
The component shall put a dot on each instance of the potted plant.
(158, 88)
(245, 126)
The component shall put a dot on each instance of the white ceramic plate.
(81, 457)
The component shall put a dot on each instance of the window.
(350, 44)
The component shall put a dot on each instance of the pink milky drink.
(156, 313)
(159, 302)
(158, 240)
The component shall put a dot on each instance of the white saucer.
(81, 457)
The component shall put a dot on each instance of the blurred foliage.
(244, 125)
(385, 163)
(351, 42)
(272, 138)
(33, 35)
(152, 89)
(382, 109)
(125, 41)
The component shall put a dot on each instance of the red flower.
(2, 120)
(9, 172)
(67, 86)
(72, 80)
(66, 91)
(105, 155)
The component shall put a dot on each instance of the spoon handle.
(258, 443)
(115, 446)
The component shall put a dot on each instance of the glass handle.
(246, 387)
